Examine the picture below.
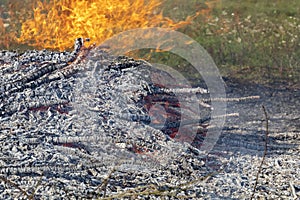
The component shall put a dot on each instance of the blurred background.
(250, 40)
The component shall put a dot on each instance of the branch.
(15, 185)
(265, 151)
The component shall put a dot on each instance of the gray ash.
(73, 113)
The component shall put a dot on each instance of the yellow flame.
(56, 24)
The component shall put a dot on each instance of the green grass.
(252, 40)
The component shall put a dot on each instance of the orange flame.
(56, 24)
(12, 14)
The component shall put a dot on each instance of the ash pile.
(78, 124)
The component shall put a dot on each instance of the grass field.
(252, 40)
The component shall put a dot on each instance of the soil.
(243, 142)
(282, 107)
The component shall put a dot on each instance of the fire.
(55, 24)
(12, 14)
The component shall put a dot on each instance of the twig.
(14, 185)
(265, 151)
(156, 190)
(238, 99)
(103, 185)
(293, 190)
(31, 197)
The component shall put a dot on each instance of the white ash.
(63, 136)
